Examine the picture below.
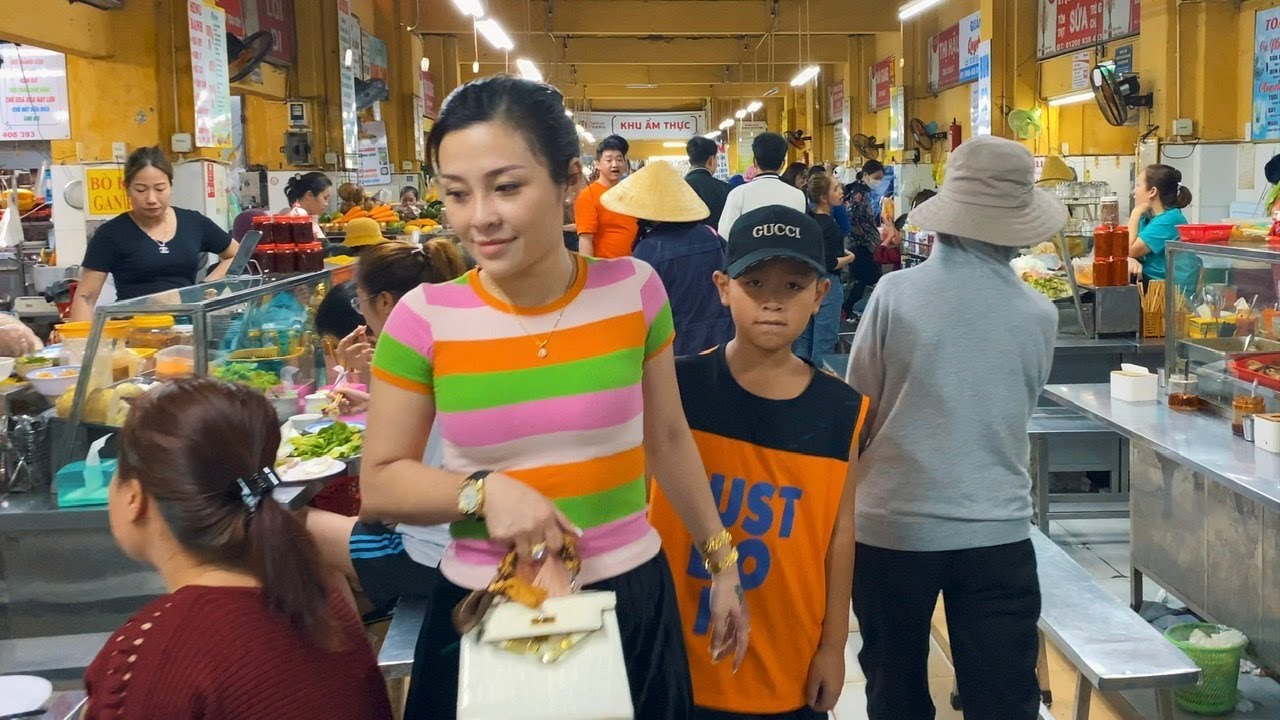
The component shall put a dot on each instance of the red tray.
(1218, 234)
(1237, 367)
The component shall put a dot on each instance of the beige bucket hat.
(990, 195)
(656, 192)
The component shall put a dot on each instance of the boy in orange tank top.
(779, 440)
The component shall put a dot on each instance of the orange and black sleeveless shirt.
(777, 469)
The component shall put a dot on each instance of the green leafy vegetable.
(338, 441)
(247, 374)
(1054, 288)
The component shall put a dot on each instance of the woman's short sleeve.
(657, 312)
(100, 254)
(404, 354)
(213, 239)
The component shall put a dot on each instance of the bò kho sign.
(104, 192)
(882, 74)
(953, 54)
(645, 126)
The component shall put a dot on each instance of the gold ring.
(538, 551)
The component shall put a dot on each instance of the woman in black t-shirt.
(153, 247)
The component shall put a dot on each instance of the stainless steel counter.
(1200, 441)
(1204, 511)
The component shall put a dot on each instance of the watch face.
(469, 498)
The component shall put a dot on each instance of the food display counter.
(60, 571)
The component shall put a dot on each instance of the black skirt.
(652, 646)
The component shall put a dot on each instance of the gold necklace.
(542, 344)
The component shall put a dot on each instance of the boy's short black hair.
(770, 150)
(613, 142)
(700, 151)
(335, 316)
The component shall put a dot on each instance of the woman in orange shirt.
(603, 233)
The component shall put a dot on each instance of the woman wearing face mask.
(602, 232)
(309, 195)
(551, 380)
(244, 600)
(1158, 199)
(153, 247)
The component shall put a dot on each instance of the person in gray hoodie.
(953, 355)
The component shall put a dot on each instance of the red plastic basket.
(1239, 369)
(1217, 234)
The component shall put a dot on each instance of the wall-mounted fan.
(925, 133)
(245, 55)
(866, 146)
(1115, 94)
(1025, 124)
(797, 138)
(369, 92)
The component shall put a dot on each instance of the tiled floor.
(1102, 548)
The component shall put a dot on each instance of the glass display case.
(254, 331)
(1223, 324)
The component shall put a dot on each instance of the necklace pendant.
(542, 352)
(164, 249)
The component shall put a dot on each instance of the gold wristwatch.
(471, 494)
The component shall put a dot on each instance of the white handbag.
(580, 678)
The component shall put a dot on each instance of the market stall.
(62, 569)
(1204, 465)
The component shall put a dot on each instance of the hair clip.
(256, 485)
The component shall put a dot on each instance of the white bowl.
(6, 366)
(53, 381)
(300, 422)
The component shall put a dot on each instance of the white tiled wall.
(1214, 176)
(1114, 170)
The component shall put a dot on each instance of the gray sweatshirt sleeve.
(866, 360)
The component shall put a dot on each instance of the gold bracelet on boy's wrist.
(714, 543)
(729, 560)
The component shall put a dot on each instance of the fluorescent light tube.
(804, 76)
(915, 7)
(1072, 98)
(740, 114)
(528, 70)
(754, 106)
(471, 8)
(495, 35)
(673, 144)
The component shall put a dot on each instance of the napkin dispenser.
(1133, 383)
(86, 483)
(1266, 432)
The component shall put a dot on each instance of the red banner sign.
(947, 46)
(246, 17)
(882, 74)
(428, 95)
(1067, 25)
(235, 17)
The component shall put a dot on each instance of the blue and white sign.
(1124, 60)
(1266, 76)
(980, 97)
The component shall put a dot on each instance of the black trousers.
(652, 647)
(992, 598)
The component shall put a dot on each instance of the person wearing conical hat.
(681, 248)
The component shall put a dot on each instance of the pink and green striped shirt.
(570, 425)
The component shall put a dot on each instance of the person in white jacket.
(770, 150)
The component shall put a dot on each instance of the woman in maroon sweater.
(248, 629)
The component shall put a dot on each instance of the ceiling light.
(771, 92)
(568, 113)
(740, 114)
(641, 86)
(528, 70)
(1071, 98)
(754, 106)
(712, 135)
(495, 35)
(804, 76)
(475, 67)
(913, 8)
(425, 64)
(472, 8)
(728, 123)
(673, 144)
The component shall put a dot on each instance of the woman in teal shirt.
(1158, 200)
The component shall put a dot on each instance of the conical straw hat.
(657, 193)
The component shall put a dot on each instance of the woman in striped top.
(552, 379)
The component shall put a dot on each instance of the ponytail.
(299, 185)
(1167, 182)
(283, 556)
(198, 447)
